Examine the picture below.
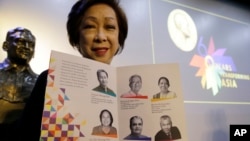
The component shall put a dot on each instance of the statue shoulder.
(4, 64)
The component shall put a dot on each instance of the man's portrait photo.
(135, 84)
(136, 125)
(102, 77)
(168, 132)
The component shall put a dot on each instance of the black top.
(29, 126)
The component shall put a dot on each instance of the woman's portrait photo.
(106, 128)
(164, 93)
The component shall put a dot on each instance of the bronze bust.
(17, 79)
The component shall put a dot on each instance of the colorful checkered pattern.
(55, 127)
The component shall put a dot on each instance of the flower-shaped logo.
(211, 64)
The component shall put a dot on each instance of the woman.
(106, 128)
(97, 29)
(164, 93)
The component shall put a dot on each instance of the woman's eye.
(110, 27)
(88, 26)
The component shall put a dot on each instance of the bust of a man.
(16, 77)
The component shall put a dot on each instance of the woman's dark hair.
(77, 12)
(167, 81)
(111, 117)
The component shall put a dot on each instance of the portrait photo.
(164, 91)
(105, 128)
(102, 77)
(168, 132)
(136, 128)
(135, 85)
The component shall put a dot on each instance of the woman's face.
(106, 120)
(163, 85)
(99, 33)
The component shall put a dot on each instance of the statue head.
(19, 45)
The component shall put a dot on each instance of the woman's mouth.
(100, 51)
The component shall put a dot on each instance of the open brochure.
(87, 100)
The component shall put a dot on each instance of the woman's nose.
(101, 35)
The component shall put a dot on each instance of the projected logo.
(215, 68)
(182, 30)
